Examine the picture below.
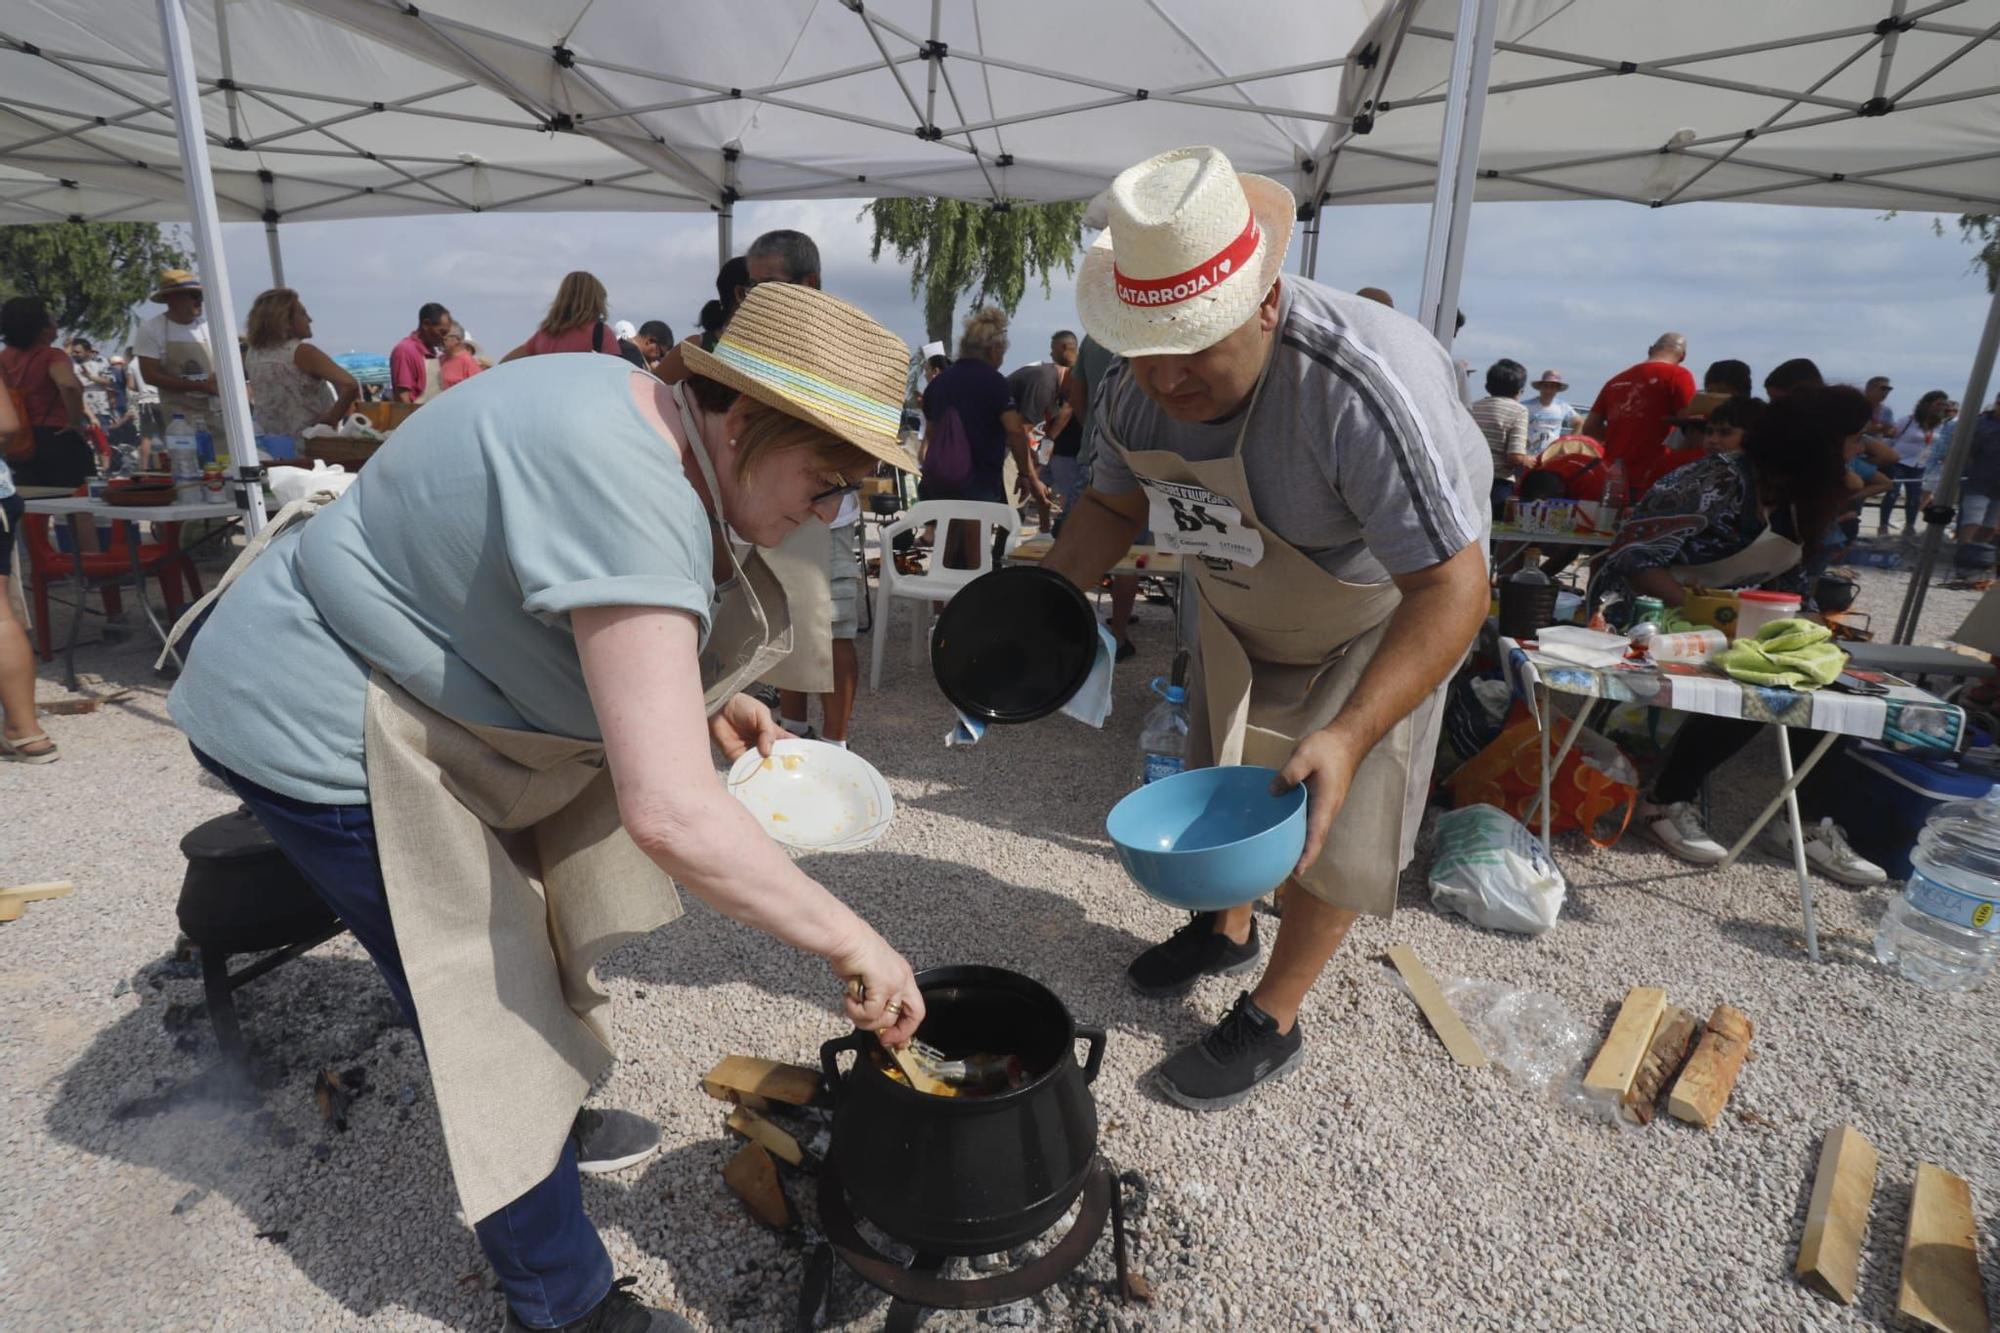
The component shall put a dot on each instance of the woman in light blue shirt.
(538, 552)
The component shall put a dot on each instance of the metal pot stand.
(919, 1287)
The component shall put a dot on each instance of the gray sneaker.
(612, 1140)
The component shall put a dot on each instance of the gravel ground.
(1378, 1187)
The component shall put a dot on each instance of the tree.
(1983, 230)
(90, 273)
(958, 247)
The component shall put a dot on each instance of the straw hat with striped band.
(817, 358)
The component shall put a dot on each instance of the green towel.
(1794, 654)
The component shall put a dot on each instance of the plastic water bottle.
(184, 458)
(1163, 737)
(1527, 598)
(1943, 930)
(204, 443)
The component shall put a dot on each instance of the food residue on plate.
(777, 817)
(792, 761)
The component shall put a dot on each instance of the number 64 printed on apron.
(1194, 520)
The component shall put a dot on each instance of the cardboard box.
(1706, 607)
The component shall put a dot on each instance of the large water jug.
(1943, 930)
(1163, 736)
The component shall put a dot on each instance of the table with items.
(132, 516)
(1900, 714)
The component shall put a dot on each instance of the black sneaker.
(612, 1140)
(1226, 1066)
(618, 1312)
(1196, 950)
(1126, 652)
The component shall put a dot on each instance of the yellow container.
(1706, 607)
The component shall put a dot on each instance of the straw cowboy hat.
(1550, 378)
(175, 280)
(1189, 250)
(817, 358)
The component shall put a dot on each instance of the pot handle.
(829, 1059)
(1093, 1034)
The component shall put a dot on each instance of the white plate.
(814, 796)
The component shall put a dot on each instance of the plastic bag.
(1534, 1040)
(1489, 869)
(296, 483)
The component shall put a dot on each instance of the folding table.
(1902, 715)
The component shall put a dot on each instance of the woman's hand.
(742, 724)
(881, 990)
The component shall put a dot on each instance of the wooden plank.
(34, 893)
(734, 1097)
(753, 1176)
(794, 1085)
(1617, 1062)
(759, 1130)
(1444, 1019)
(1941, 1284)
(1710, 1073)
(1672, 1040)
(1837, 1217)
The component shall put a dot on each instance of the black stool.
(242, 896)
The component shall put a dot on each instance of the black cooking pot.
(969, 1175)
(1835, 592)
(1014, 644)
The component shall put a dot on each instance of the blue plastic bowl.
(1209, 838)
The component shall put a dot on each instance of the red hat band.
(1151, 293)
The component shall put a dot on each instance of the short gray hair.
(795, 248)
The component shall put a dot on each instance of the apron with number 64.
(1280, 646)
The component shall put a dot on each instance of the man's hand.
(742, 724)
(1325, 761)
(1031, 487)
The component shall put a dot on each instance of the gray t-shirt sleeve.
(1398, 460)
(1109, 472)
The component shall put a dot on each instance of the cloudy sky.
(1581, 287)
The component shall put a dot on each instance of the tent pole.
(193, 136)
(277, 256)
(1977, 396)
(1458, 160)
(724, 238)
(725, 217)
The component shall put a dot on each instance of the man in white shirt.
(1550, 417)
(173, 351)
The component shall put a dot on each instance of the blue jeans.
(545, 1252)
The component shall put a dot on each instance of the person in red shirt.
(1632, 411)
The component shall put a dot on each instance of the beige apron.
(1280, 646)
(508, 876)
(801, 563)
(188, 357)
(1769, 555)
(433, 376)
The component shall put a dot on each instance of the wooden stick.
(1672, 1040)
(1941, 1285)
(1710, 1074)
(34, 893)
(1843, 1188)
(753, 1176)
(794, 1085)
(1617, 1062)
(1444, 1019)
(759, 1130)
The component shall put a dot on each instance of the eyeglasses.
(841, 491)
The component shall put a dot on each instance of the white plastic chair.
(939, 584)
